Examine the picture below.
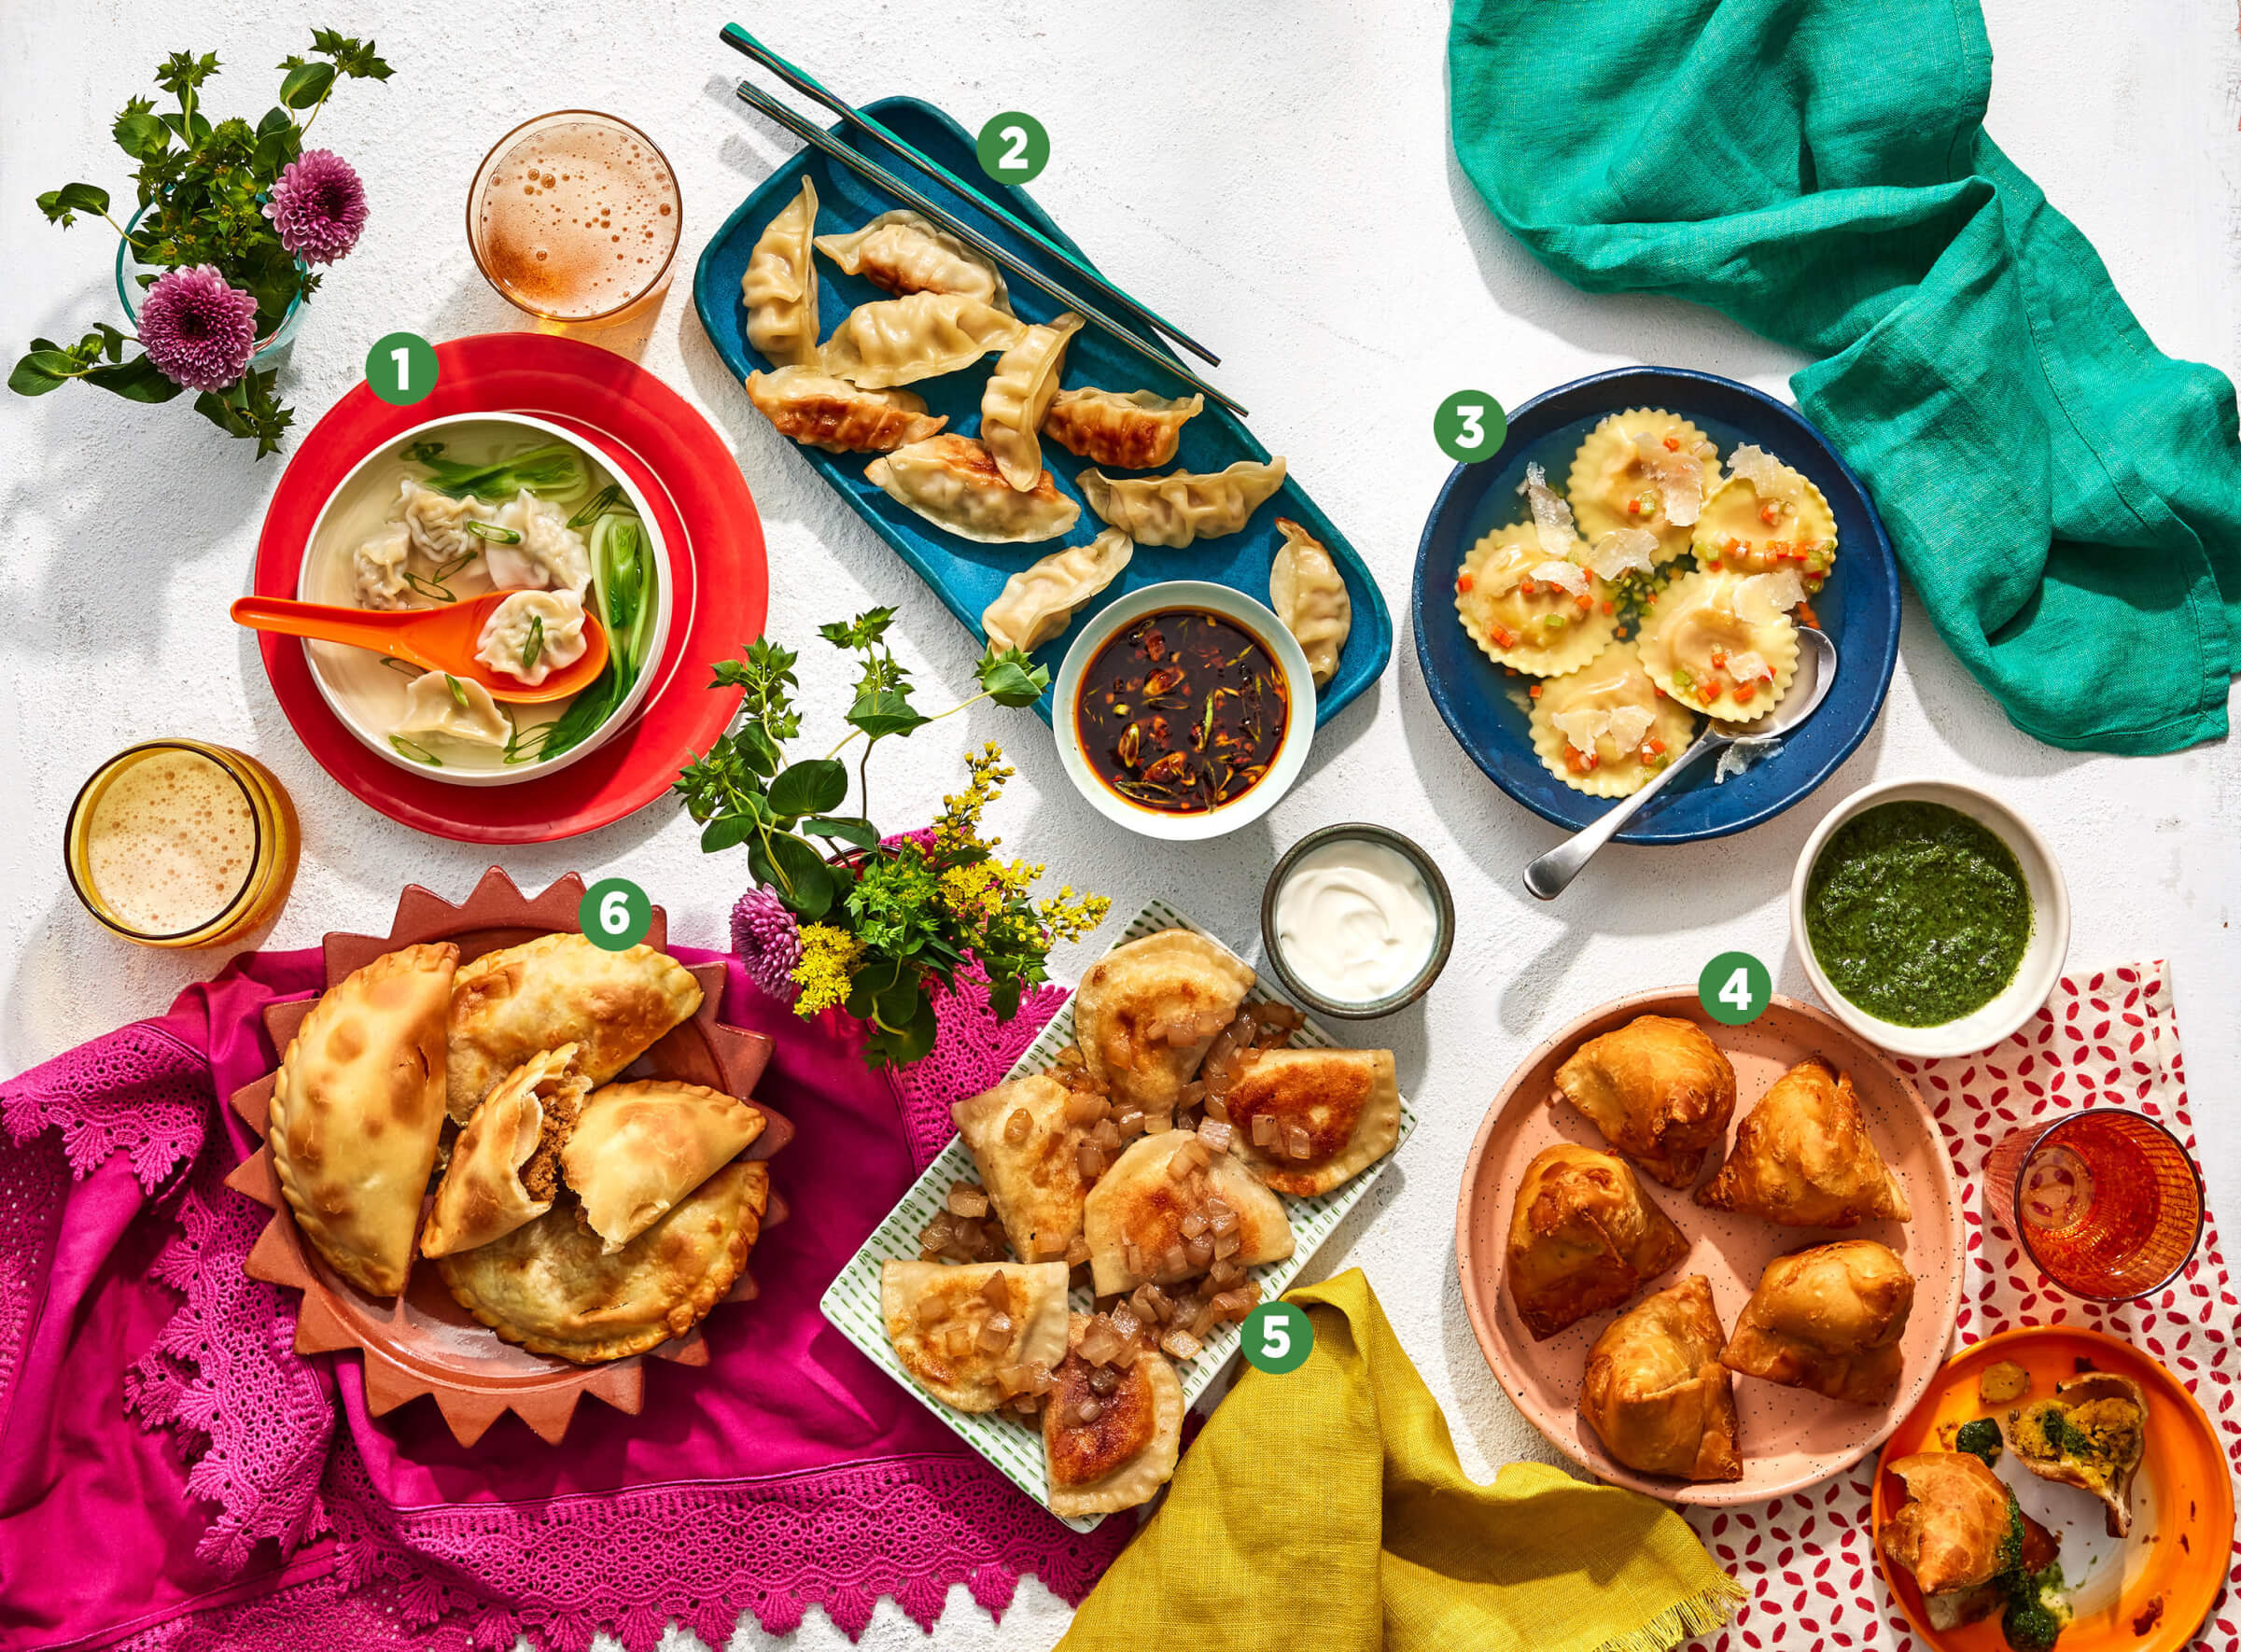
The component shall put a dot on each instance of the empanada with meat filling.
(552, 1287)
(1148, 1010)
(1109, 1452)
(505, 1165)
(957, 1330)
(1307, 1120)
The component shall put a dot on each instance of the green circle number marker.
(1470, 425)
(615, 914)
(1734, 988)
(1278, 1336)
(1013, 149)
(402, 369)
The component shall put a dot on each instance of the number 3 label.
(1735, 987)
(1013, 147)
(1278, 1336)
(1470, 425)
(615, 914)
(400, 369)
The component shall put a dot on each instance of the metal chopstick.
(740, 40)
(819, 138)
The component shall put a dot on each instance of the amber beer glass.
(574, 216)
(2105, 1201)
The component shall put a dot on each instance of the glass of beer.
(574, 217)
(177, 843)
(2105, 1201)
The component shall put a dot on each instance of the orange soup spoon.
(433, 638)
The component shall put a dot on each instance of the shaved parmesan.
(1570, 576)
(1768, 477)
(1763, 596)
(1743, 754)
(1679, 478)
(1550, 514)
(1623, 550)
(1582, 727)
(1749, 667)
(1629, 723)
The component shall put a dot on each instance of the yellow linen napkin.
(1325, 1508)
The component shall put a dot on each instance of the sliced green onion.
(415, 753)
(430, 589)
(459, 693)
(494, 533)
(535, 645)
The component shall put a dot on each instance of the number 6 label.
(1734, 988)
(615, 914)
(400, 369)
(1278, 1336)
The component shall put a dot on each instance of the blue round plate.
(1858, 606)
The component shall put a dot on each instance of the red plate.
(719, 577)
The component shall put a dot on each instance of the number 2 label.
(1013, 147)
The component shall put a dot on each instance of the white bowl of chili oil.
(1184, 711)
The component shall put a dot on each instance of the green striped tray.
(1013, 1444)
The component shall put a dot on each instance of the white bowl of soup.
(558, 488)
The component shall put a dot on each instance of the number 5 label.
(615, 914)
(400, 369)
(1013, 147)
(1278, 1336)
(1735, 987)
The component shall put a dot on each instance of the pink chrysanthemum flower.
(768, 942)
(318, 206)
(199, 331)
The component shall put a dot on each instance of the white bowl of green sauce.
(1930, 918)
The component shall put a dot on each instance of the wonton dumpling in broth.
(954, 483)
(639, 1148)
(904, 252)
(957, 1329)
(1655, 1392)
(1803, 1157)
(1147, 1012)
(357, 1109)
(1583, 1237)
(378, 569)
(1040, 601)
(510, 1005)
(453, 709)
(1830, 1319)
(1029, 1158)
(1134, 1218)
(779, 287)
(1109, 1451)
(533, 633)
(1181, 508)
(550, 555)
(505, 1167)
(1658, 1090)
(1605, 729)
(1308, 1120)
(436, 523)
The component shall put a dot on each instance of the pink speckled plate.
(1790, 1438)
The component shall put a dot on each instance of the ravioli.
(1647, 468)
(1724, 643)
(957, 1329)
(1109, 1451)
(1764, 518)
(1607, 729)
(1308, 1120)
(1546, 615)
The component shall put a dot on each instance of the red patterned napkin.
(2109, 1038)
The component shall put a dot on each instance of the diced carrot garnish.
(1535, 690)
(1606, 606)
(1463, 584)
(1673, 444)
(1582, 601)
(1655, 746)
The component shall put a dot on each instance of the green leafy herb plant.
(881, 921)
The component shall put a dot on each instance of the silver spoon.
(1816, 670)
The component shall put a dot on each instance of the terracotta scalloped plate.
(1790, 1439)
(2148, 1592)
(423, 1342)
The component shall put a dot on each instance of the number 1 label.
(400, 369)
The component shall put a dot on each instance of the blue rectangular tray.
(965, 575)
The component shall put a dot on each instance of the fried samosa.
(1583, 1237)
(2093, 1433)
(1658, 1090)
(1803, 1158)
(1655, 1392)
(1953, 1533)
(1830, 1319)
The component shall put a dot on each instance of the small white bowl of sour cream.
(1357, 922)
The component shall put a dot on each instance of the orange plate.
(2182, 1503)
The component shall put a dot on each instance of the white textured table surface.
(1277, 175)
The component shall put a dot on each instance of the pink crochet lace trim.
(33, 1181)
(258, 1425)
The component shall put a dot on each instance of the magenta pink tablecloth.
(173, 1475)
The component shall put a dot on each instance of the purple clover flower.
(199, 331)
(318, 206)
(768, 942)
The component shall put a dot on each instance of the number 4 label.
(1278, 1336)
(1735, 987)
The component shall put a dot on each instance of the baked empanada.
(505, 1165)
(638, 1149)
(509, 1006)
(1584, 1236)
(1830, 1319)
(957, 1329)
(1307, 1120)
(1136, 1218)
(1658, 1090)
(552, 1288)
(1802, 1157)
(1108, 1451)
(1656, 1393)
(1029, 1160)
(1951, 1533)
(1148, 1010)
(357, 1110)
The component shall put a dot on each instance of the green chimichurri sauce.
(1917, 914)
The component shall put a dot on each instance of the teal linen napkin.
(2066, 498)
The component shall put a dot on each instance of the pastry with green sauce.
(2092, 1434)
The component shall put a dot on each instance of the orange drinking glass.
(2105, 1201)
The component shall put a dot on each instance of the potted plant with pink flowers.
(215, 268)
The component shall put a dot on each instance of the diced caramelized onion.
(1217, 1109)
(996, 1336)
(1131, 1123)
(1229, 1244)
(997, 1293)
(1100, 1341)
(965, 1199)
(1234, 1305)
(1199, 1253)
(1296, 1144)
(1176, 1261)
(1011, 1380)
(1107, 1136)
(1089, 1159)
(1087, 1411)
(1084, 1109)
(939, 1230)
(957, 1341)
(1124, 1319)
(1104, 1380)
(1195, 1223)
(1027, 1405)
(1158, 1124)
(1223, 1273)
(1192, 1155)
(1077, 1251)
(1179, 1344)
(931, 1310)
(1277, 1022)
(1264, 1129)
(1132, 1253)
(1151, 1304)
(1016, 1129)
(1205, 1319)
(1214, 1134)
